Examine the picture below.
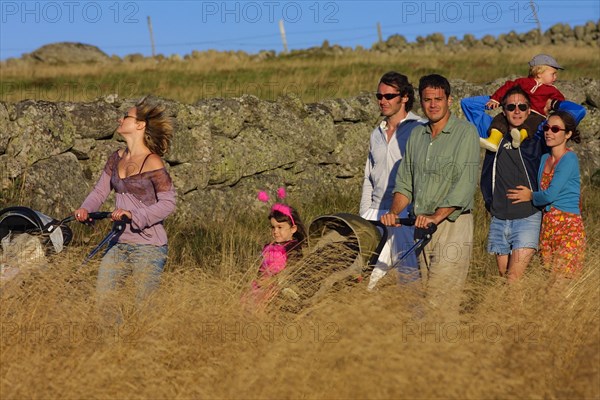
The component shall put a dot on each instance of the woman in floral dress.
(562, 238)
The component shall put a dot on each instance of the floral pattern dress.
(562, 238)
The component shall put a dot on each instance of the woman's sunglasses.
(387, 96)
(126, 115)
(553, 128)
(512, 107)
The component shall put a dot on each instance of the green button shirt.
(440, 172)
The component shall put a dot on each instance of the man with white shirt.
(387, 146)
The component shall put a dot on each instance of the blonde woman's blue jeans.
(143, 263)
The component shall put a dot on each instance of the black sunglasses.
(387, 96)
(512, 107)
(553, 128)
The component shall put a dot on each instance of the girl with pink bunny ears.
(289, 234)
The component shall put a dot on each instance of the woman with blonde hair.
(144, 197)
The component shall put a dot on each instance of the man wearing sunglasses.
(515, 228)
(438, 175)
(395, 96)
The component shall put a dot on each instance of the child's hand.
(490, 105)
(548, 107)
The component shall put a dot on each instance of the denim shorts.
(507, 235)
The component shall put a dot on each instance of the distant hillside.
(587, 35)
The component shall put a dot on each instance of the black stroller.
(28, 236)
(17, 220)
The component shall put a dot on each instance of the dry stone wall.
(224, 150)
(587, 35)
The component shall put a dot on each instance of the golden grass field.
(538, 339)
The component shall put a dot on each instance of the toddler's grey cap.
(544, 59)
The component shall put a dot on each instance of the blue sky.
(121, 27)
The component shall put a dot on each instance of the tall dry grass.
(196, 339)
(313, 78)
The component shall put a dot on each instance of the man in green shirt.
(439, 175)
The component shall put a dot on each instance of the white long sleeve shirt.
(382, 165)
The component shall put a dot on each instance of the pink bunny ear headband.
(282, 208)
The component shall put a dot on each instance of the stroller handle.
(425, 233)
(420, 233)
(429, 230)
(422, 236)
(405, 221)
(117, 228)
(93, 216)
(99, 215)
